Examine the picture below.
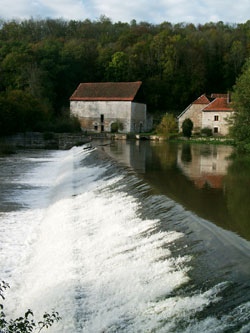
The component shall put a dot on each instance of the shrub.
(168, 126)
(116, 127)
(187, 127)
(65, 124)
(206, 131)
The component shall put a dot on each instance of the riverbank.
(206, 140)
(63, 141)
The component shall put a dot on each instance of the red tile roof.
(219, 104)
(202, 100)
(106, 91)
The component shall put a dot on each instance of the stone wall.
(36, 140)
(89, 114)
(208, 120)
(195, 114)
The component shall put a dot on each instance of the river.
(128, 237)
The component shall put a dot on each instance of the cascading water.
(88, 239)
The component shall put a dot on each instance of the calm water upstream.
(129, 237)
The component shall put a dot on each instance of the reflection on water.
(206, 179)
(204, 165)
(130, 153)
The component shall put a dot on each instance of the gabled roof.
(106, 91)
(202, 100)
(219, 104)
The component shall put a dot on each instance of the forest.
(43, 61)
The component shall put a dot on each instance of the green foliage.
(168, 126)
(20, 111)
(206, 131)
(47, 59)
(25, 323)
(65, 124)
(240, 129)
(187, 127)
(118, 67)
(116, 127)
(237, 187)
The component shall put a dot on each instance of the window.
(216, 118)
(95, 127)
(102, 128)
(216, 130)
(102, 118)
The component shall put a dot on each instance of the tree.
(187, 127)
(26, 323)
(20, 111)
(118, 67)
(240, 129)
(168, 126)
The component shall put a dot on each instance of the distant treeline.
(43, 61)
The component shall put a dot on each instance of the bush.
(206, 131)
(116, 127)
(168, 126)
(64, 124)
(187, 127)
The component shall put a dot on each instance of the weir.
(110, 255)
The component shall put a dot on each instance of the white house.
(209, 111)
(99, 106)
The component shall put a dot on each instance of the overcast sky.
(195, 11)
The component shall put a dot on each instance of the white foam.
(92, 257)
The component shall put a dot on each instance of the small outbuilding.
(110, 106)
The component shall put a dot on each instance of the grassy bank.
(205, 140)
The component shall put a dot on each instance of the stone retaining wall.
(36, 140)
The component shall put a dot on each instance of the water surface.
(130, 237)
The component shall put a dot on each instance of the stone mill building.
(100, 106)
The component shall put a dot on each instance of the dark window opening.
(102, 128)
(102, 118)
(96, 127)
(216, 130)
(216, 118)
